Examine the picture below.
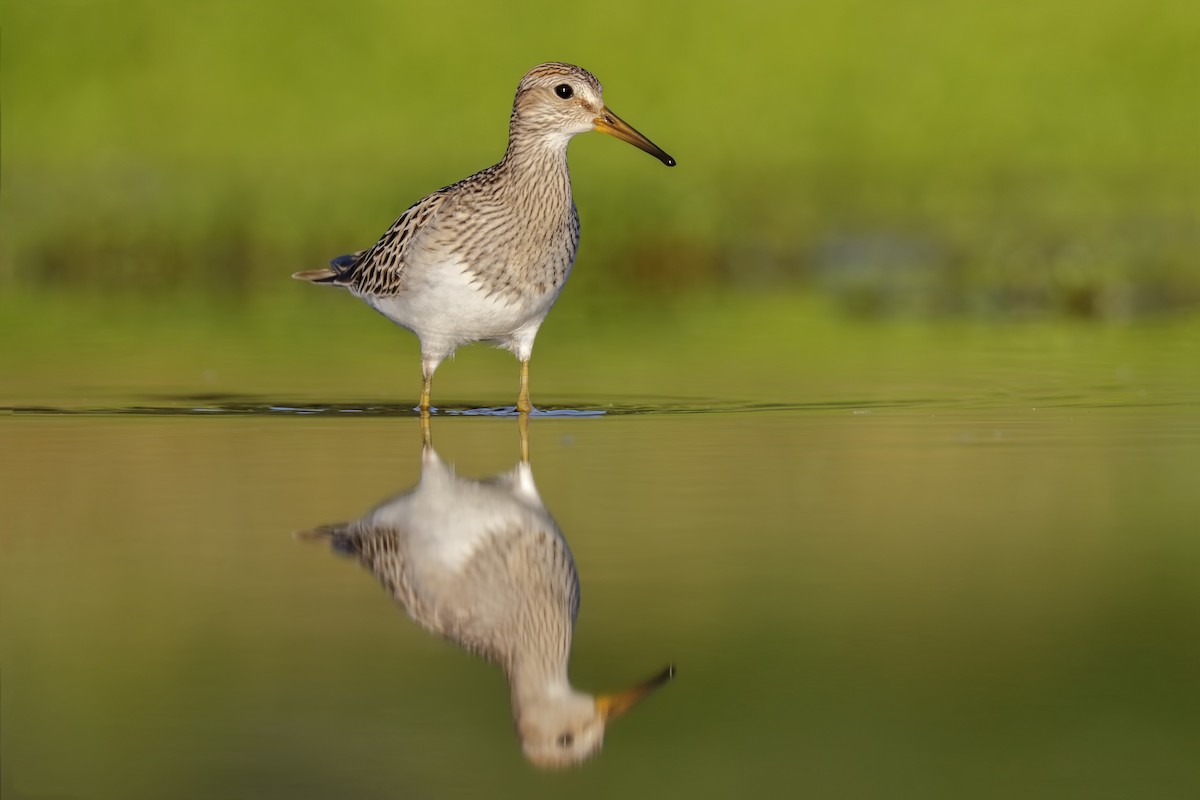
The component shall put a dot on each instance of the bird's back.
(477, 565)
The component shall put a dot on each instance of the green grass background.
(985, 522)
(931, 156)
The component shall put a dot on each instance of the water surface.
(892, 589)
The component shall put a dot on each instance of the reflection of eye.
(564, 91)
(566, 740)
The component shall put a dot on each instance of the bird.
(483, 564)
(484, 259)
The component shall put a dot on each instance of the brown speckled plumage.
(515, 600)
(485, 258)
(483, 564)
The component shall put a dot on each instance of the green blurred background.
(958, 245)
(931, 157)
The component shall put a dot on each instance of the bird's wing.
(380, 548)
(343, 263)
(378, 270)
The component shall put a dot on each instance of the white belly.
(447, 519)
(446, 308)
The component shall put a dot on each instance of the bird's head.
(566, 730)
(561, 100)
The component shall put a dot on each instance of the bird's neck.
(537, 159)
(539, 652)
(533, 679)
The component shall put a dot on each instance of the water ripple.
(229, 405)
(245, 405)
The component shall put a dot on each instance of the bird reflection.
(482, 563)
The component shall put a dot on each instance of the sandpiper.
(485, 258)
(482, 563)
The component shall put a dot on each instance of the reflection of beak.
(610, 123)
(612, 706)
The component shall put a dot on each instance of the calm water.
(933, 594)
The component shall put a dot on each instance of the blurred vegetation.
(930, 157)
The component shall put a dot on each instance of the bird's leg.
(426, 432)
(426, 385)
(523, 404)
(523, 429)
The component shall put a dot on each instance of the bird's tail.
(316, 275)
(338, 267)
(340, 536)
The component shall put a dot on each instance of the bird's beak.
(610, 123)
(611, 706)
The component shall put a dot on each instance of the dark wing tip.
(342, 263)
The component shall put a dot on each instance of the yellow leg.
(426, 432)
(523, 428)
(426, 384)
(523, 404)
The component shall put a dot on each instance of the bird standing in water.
(484, 259)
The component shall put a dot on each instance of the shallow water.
(932, 594)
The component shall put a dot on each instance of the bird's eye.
(564, 91)
(566, 739)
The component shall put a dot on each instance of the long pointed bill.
(612, 706)
(610, 123)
